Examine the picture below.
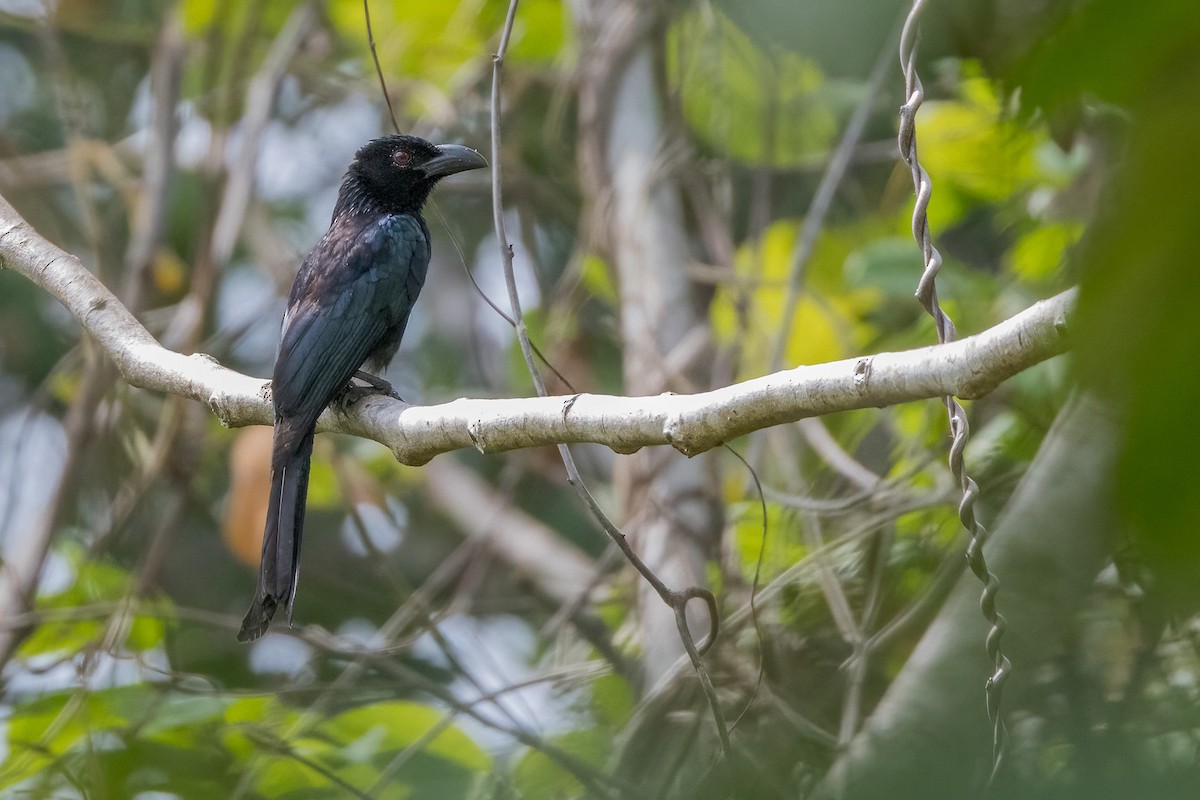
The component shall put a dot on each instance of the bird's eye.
(402, 158)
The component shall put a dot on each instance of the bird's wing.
(354, 287)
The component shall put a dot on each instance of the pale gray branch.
(691, 423)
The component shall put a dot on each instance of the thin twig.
(387, 98)
(260, 101)
(492, 303)
(860, 660)
(583, 771)
(922, 608)
(150, 213)
(676, 600)
(762, 549)
(831, 586)
(185, 329)
(23, 567)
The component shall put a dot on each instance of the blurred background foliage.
(1062, 139)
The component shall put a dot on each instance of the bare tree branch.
(692, 424)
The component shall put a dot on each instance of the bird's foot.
(375, 385)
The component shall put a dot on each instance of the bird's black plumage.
(347, 309)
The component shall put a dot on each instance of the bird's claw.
(375, 385)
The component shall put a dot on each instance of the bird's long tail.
(280, 568)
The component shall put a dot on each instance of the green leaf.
(425, 49)
(829, 320)
(53, 725)
(890, 265)
(96, 582)
(540, 32)
(398, 724)
(323, 489)
(244, 716)
(182, 714)
(758, 106)
(60, 637)
(973, 153)
(783, 546)
(146, 632)
(1037, 256)
(538, 775)
(597, 279)
(611, 700)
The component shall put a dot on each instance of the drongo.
(346, 312)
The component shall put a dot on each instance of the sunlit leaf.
(539, 32)
(782, 546)
(246, 714)
(756, 106)
(973, 153)
(1038, 255)
(97, 583)
(597, 279)
(611, 700)
(939, 524)
(56, 724)
(282, 776)
(59, 636)
(398, 724)
(828, 322)
(431, 50)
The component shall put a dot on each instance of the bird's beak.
(453, 158)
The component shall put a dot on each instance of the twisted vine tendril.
(959, 429)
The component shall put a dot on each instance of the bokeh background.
(463, 629)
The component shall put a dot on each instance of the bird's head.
(395, 174)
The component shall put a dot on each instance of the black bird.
(347, 309)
